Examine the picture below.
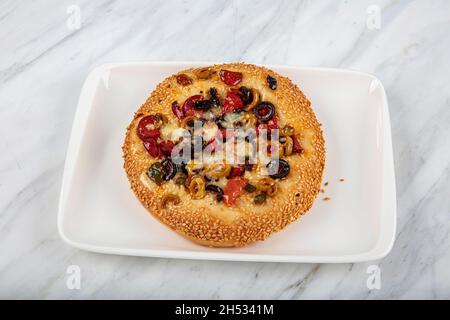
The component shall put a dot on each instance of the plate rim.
(388, 222)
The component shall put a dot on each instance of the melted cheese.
(209, 131)
(172, 132)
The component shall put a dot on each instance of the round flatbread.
(222, 203)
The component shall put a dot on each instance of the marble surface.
(44, 59)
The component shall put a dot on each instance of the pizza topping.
(255, 99)
(196, 187)
(203, 105)
(166, 147)
(148, 126)
(248, 120)
(151, 145)
(230, 78)
(177, 111)
(188, 122)
(210, 130)
(233, 190)
(267, 185)
(183, 80)
(232, 102)
(212, 117)
(264, 111)
(287, 131)
(246, 95)
(260, 199)
(193, 167)
(217, 190)
(210, 147)
(278, 168)
(226, 134)
(216, 171)
(156, 173)
(169, 198)
(230, 120)
(272, 123)
(248, 166)
(169, 169)
(288, 146)
(188, 105)
(181, 179)
(272, 82)
(249, 188)
(205, 73)
(274, 150)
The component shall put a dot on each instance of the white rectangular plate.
(99, 212)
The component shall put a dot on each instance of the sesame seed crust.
(205, 221)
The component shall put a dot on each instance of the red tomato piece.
(236, 172)
(272, 123)
(230, 78)
(232, 102)
(177, 111)
(296, 147)
(233, 190)
(226, 134)
(188, 105)
(166, 147)
(152, 148)
(146, 129)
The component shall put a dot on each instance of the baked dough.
(207, 221)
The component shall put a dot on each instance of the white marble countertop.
(44, 59)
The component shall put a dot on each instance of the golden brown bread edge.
(204, 221)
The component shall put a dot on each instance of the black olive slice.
(216, 189)
(169, 169)
(214, 97)
(203, 105)
(272, 82)
(246, 95)
(264, 111)
(278, 169)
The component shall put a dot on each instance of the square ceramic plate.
(99, 212)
